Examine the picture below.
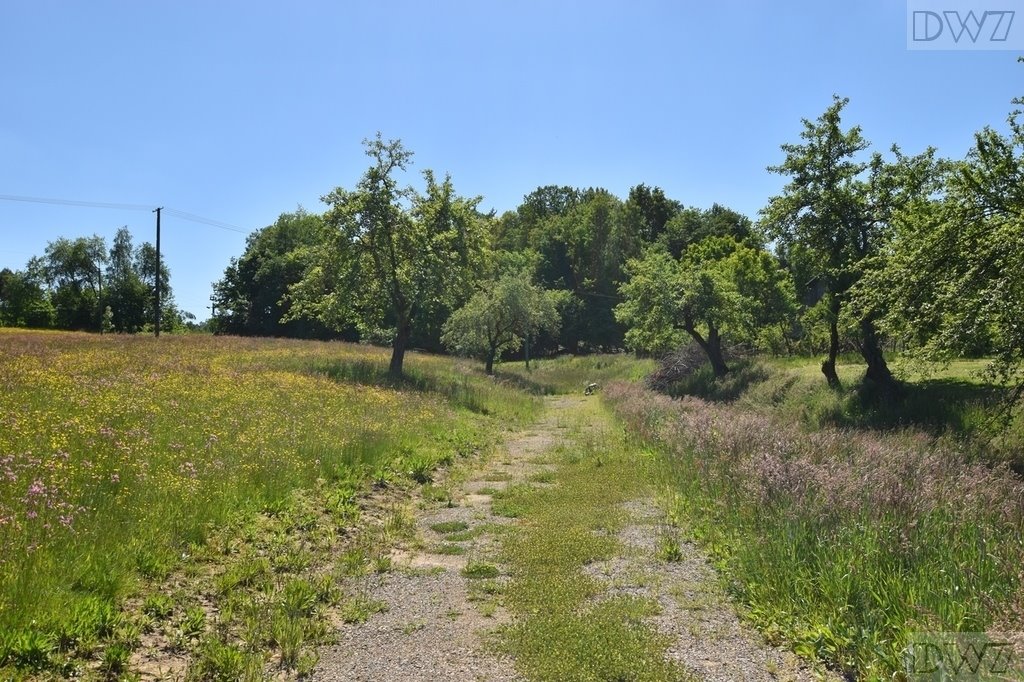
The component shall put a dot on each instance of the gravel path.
(708, 638)
(438, 622)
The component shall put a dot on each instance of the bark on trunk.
(398, 349)
(489, 362)
(828, 368)
(715, 355)
(712, 347)
(878, 371)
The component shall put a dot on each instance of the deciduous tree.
(836, 209)
(390, 254)
(499, 316)
(719, 287)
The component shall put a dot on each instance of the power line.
(72, 202)
(191, 217)
(205, 221)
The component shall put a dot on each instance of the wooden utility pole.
(156, 326)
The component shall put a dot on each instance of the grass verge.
(843, 544)
(571, 374)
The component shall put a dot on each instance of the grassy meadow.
(206, 493)
(571, 374)
(123, 458)
(844, 524)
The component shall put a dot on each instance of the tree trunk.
(878, 371)
(398, 348)
(489, 362)
(715, 354)
(712, 347)
(828, 368)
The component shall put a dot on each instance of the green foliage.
(499, 316)
(692, 225)
(648, 212)
(834, 217)
(68, 288)
(390, 255)
(651, 304)
(159, 606)
(582, 238)
(669, 547)
(27, 649)
(115, 659)
(420, 468)
(126, 295)
(23, 300)
(251, 299)
(193, 623)
(952, 279)
(718, 287)
(217, 661)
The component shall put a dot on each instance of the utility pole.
(156, 327)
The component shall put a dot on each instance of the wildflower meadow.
(119, 456)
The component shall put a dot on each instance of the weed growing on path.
(560, 632)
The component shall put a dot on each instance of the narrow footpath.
(553, 561)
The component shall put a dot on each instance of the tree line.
(426, 268)
(860, 251)
(81, 284)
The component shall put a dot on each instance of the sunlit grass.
(561, 632)
(571, 374)
(120, 457)
(840, 542)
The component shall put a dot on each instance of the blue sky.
(239, 111)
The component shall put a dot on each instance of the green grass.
(127, 460)
(478, 570)
(449, 527)
(953, 400)
(560, 632)
(571, 374)
(839, 543)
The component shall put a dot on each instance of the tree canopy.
(719, 287)
(499, 317)
(860, 250)
(76, 281)
(390, 256)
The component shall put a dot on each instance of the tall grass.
(120, 454)
(842, 542)
(955, 402)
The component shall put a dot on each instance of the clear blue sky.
(239, 111)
